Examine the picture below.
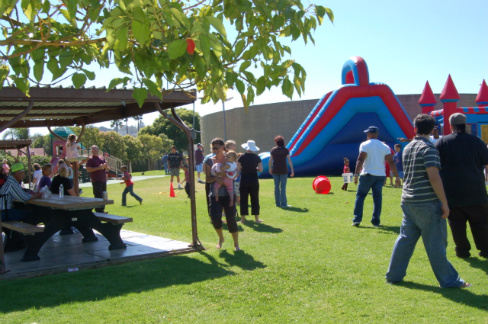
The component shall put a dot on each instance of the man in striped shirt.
(10, 191)
(425, 210)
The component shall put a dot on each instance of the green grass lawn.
(305, 264)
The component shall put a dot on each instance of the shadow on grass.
(457, 295)
(109, 282)
(477, 263)
(261, 227)
(392, 229)
(242, 260)
(296, 209)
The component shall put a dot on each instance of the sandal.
(465, 285)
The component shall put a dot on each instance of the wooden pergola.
(53, 107)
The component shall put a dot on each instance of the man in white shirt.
(370, 168)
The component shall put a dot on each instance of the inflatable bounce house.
(476, 117)
(335, 127)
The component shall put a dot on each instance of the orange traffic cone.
(171, 191)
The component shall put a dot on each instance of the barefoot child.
(129, 186)
(230, 170)
(72, 147)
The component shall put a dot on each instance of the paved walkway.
(67, 253)
(134, 178)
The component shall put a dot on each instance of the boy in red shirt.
(129, 186)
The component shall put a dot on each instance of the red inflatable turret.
(482, 97)
(427, 99)
(449, 98)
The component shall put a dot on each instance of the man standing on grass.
(96, 166)
(199, 157)
(174, 160)
(371, 166)
(463, 158)
(425, 210)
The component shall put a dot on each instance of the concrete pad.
(66, 253)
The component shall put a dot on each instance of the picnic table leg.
(112, 233)
(2, 256)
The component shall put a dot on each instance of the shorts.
(236, 189)
(175, 172)
(401, 174)
(199, 167)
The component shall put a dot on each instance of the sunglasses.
(215, 148)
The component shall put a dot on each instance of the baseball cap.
(457, 119)
(372, 129)
(17, 167)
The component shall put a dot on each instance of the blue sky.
(404, 43)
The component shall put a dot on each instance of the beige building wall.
(263, 122)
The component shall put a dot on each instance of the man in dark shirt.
(199, 157)
(96, 167)
(174, 161)
(463, 158)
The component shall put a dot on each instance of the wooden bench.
(114, 219)
(23, 228)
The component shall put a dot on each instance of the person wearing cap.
(249, 165)
(199, 157)
(10, 191)
(370, 169)
(425, 210)
(463, 159)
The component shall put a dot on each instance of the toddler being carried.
(230, 170)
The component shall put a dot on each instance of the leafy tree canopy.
(211, 44)
(161, 125)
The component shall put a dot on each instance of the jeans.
(366, 182)
(423, 219)
(280, 189)
(129, 189)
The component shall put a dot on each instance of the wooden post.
(175, 119)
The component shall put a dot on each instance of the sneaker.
(483, 255)
(140, 201)
(355, 224)
(465, 285)
(286, 206)
(376, 226)
(200, 181)
(179, 186)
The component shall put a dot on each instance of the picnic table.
(70, 211)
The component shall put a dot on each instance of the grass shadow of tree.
(109, 282)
